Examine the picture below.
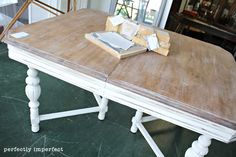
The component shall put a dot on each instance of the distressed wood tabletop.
(196, 77)
(61, 40)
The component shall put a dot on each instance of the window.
(144, 11)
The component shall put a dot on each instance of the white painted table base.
(33, 91)
(157, 110)
(137, 124)
(199, 148)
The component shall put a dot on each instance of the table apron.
(170, 114)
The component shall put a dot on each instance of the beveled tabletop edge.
(173, 103)
(83, 69)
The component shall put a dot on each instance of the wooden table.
(194, 87)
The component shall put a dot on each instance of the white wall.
(37, 14)
(79, 4)
(102, 5)
(62, 5)
(11, 10)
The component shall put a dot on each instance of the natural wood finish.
(63, 42)
(110, 27)
(68, 5)
(162, 51)
(140, 41)
(163, 36)
(143, 31)
(135, 50)
(165, 45)
(75, 6)
(196, 77)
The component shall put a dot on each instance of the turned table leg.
(103, 108)
(136, 119)
(199, 147)
(33, 91)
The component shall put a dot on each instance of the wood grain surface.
(61, 40)
(196, 77)
(134, 50)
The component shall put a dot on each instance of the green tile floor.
(84, 135)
